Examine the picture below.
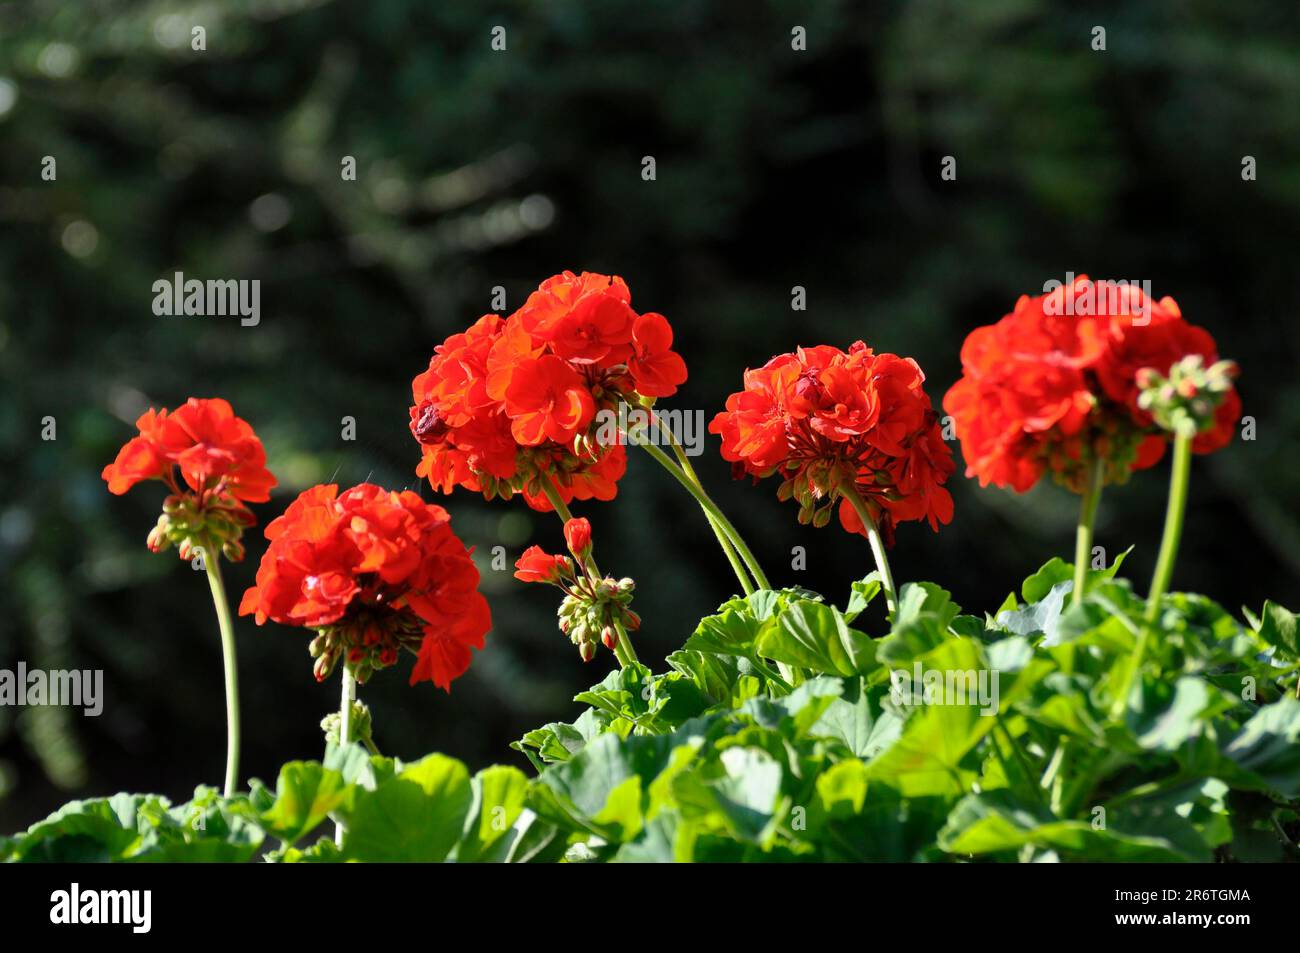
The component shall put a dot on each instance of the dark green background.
(775, 168)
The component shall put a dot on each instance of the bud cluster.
(368, 642)
(597, 610)
(1185, 402)
(204, 522)
(358, 725)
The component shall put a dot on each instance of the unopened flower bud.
(587, 650)
(1147, 377)
(157, 540)
(324, 665)
(609, 637)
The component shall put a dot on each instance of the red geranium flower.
(222, 466)
(512, 402)
(375, 571)
(1053, 386)
(209, 444)
(825, 419)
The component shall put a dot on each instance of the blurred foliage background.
(478, 168)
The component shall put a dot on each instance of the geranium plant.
(1111, 725)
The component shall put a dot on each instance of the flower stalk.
(213, 568)
(1173, 532)
(850, 493)
(348, 695)
(722, 525)
(1083, 533)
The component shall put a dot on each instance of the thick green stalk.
(850, 493)
(1083, 534)
(1174, 511)
(711, 509)
(348, 694)
(684, 461)
(1173, 533)
(210, 563)
(623, 651)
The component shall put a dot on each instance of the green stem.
(737, 566)
(1083, 534)
(850, 493)
(211, 564)
(1173, 524)
(623, 651)
(711, 509)
(1021, 758)
(1120, 701)
(348, 694)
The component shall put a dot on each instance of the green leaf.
(860, 595)
(306, 793)
(916, 598)
(415, 816)
(559, 742)
(1266, 751)
(499, 795)
(590, 791)
(816, 636)
(1054, 571)
(1040, 616)
(98, 830)
(731, 632)
(1277, 627)
(994, 822)
(857, 718)
(1165, 717)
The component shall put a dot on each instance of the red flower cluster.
(821, 416)
(512, 400)
(215, 450)
(1054, 385)
(375, 571)
(222, 466)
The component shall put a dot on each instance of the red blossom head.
(374, 571)
(1054, 386)
(222, 466)
(821, 416)
(514, 401)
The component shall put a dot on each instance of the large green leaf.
(306, 793)
(499, 795)
(816, 636)
(416, 816)
(1267, 748)
(995, 821)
